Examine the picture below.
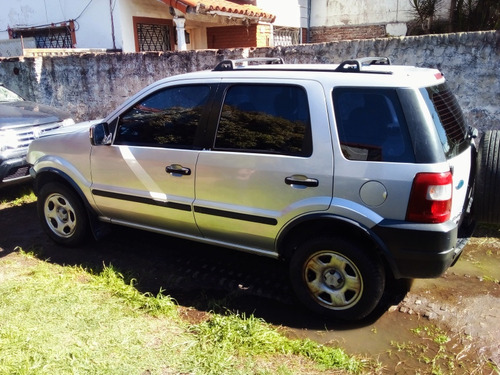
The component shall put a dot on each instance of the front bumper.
(14, 170)
(420, 250)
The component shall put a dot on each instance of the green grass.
(237, 335)
(67, 320)
(16, 195)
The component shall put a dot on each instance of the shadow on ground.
(207, 278)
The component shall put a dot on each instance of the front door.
(146, 177)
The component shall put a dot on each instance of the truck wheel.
(337, 278)
(486, 196)
(62, 214)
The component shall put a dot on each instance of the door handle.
(178, 169)
(301, 181)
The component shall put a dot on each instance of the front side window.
(371, 125)
(448, 119)
(168, 118)
(265, 119)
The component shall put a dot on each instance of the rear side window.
(448, 119)
(371, 125)
(265, 119)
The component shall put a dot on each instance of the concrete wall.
(91, 85)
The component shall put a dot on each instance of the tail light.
(430, 198)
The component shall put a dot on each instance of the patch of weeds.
(15, 196)
(491, 279)
(114, 281)
(225, 337)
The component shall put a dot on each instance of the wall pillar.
(181, 37)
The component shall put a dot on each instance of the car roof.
(366, 72)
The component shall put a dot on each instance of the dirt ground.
(405, 335)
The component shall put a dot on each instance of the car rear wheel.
(486, 196)
(337, 278)
(62, 214)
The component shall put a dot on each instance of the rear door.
(271, 161)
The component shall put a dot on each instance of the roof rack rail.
(240, 63)
(355, 65)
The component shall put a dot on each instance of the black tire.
(336, 278)
(486, 207)
(62, 214)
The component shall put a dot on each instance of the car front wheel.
(62, 214)
(337, 278)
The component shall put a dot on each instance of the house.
(164, 25)
(137, 25)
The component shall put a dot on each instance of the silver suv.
(352, 173)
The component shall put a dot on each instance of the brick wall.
(230, 36)
(336, 33)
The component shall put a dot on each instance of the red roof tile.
(226, 6)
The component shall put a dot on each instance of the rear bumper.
(420, 250)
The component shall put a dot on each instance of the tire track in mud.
(234, 278)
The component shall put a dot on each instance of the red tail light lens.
(430, 198)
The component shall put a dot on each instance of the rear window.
(448, 119)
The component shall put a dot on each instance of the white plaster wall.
(93, 28)
(357, 12)
(138, 8)
(292, 13)
(93, 23)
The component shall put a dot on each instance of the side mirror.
(99, 134)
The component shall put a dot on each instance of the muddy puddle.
(448, 325)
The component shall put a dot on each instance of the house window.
(153, 34)
(60, 36)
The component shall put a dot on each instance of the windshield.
(8, 96)
(448, 119)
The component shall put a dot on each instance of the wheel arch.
(315, 225)
(46, 175)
